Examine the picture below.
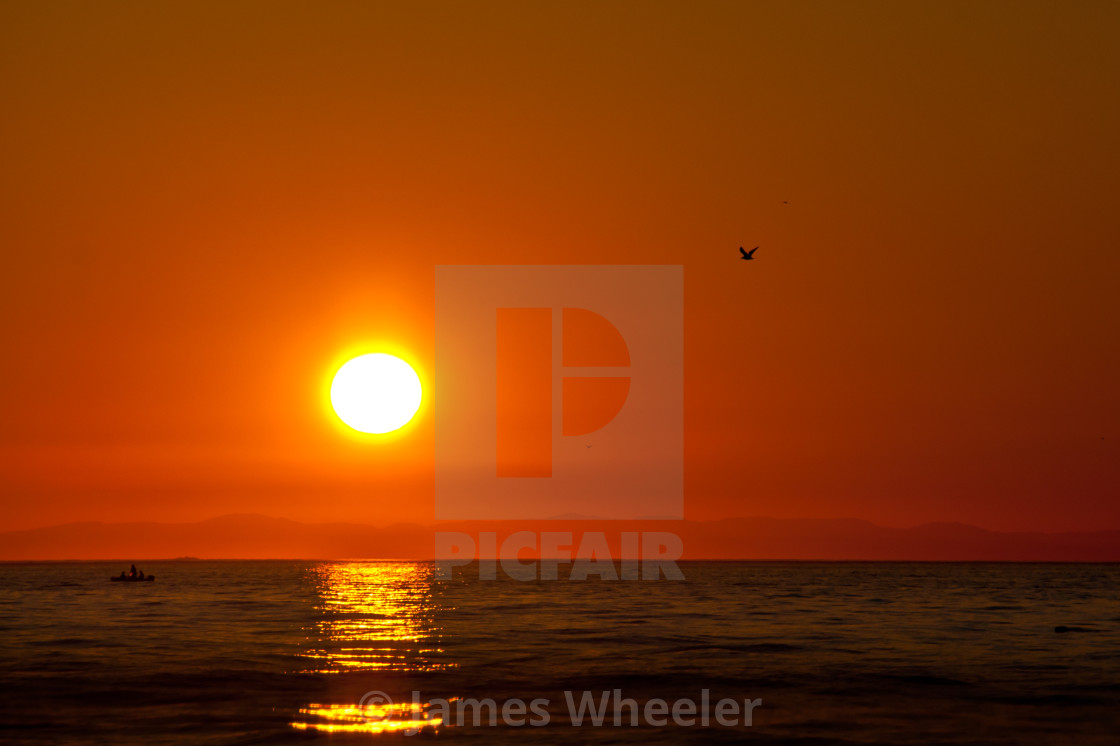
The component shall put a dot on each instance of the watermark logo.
(375, 706)
(649, 555)
(558, 392)
(594, 709)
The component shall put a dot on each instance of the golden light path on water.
(373, 617)
(368, 719)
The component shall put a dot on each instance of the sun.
(376, 393)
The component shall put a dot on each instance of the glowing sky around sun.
(207, 208)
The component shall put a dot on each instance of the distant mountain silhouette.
(263, 537)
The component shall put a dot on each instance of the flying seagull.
(748, 254)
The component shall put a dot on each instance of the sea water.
(364, 652)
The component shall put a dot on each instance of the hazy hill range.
(263, 537)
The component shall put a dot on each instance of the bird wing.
(741, 251)
(751, 252)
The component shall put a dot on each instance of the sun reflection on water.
(375, 616)
(391, 718)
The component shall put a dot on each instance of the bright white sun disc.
(375, 393)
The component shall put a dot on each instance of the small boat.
(126, 579)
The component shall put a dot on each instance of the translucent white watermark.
(588, 709)
(646, 555)
(560, 392)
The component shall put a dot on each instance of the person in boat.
(141, 575)
(132, 572)
(122, 575)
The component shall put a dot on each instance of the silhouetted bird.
(748, 254)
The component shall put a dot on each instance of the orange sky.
(206, 206)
